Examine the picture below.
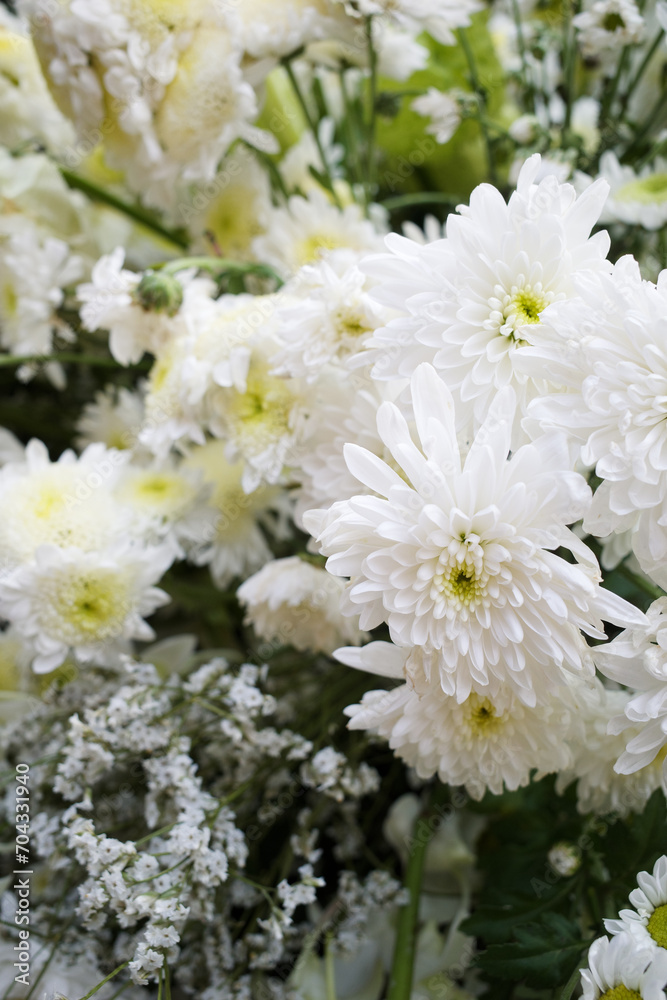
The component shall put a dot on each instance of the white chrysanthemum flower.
(298, 604)
(638, 659)
(237, 545)
(263, 422)
(68, 503)
(114, 418)
(600, 788)
(328, 321)
(621, 969)
(469, 303)
(168, 503)
(33, 274)
(481, 742)
(307, 229)
(635, 198)
(647, 923)
(459, 557)
(608, 25)
(83, 602)
(110, 302)
(443, 109)
(438, 17)
(606, 350)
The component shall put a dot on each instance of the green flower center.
(528, 306)
(621, 992)
(92, 607)
(647, 190)
(657, 925)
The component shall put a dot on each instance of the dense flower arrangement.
(333, 499)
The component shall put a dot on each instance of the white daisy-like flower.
(606, 350)
(600, 787)
(459, 557)
(83, 602)
(68, 503)
(168, 503)
(263, 423)
(608, 25)
(637, 658)
(237, 545)
(648, 921)
(33, 275)
(470, 303)
(621, 969)
(328, 321)
(443, 109)
(483, 742)
(308, 229)
(114, 418)
(635, 198)
(292, 601)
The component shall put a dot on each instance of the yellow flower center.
(260, 415)
(310, 249)
(481, 716)
(9, 300)
(92, 607)
(657, 925)
(621, 992)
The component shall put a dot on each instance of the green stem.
(372, 101)
(645, 585)
(570, 985)
(521, 42)
(400, 983)
(569, 61)
(312, 125)
(136, 212)
(421, 198)
(104, 981)
(650, 122)
(218, 265)
(329, 971)
(477, 87)
(612, 88)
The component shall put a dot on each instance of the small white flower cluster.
(159, 888)
(634, 961)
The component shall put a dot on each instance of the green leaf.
(544, 953)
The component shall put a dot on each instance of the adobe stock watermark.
(22, 884)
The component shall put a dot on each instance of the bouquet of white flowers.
(333, 349)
